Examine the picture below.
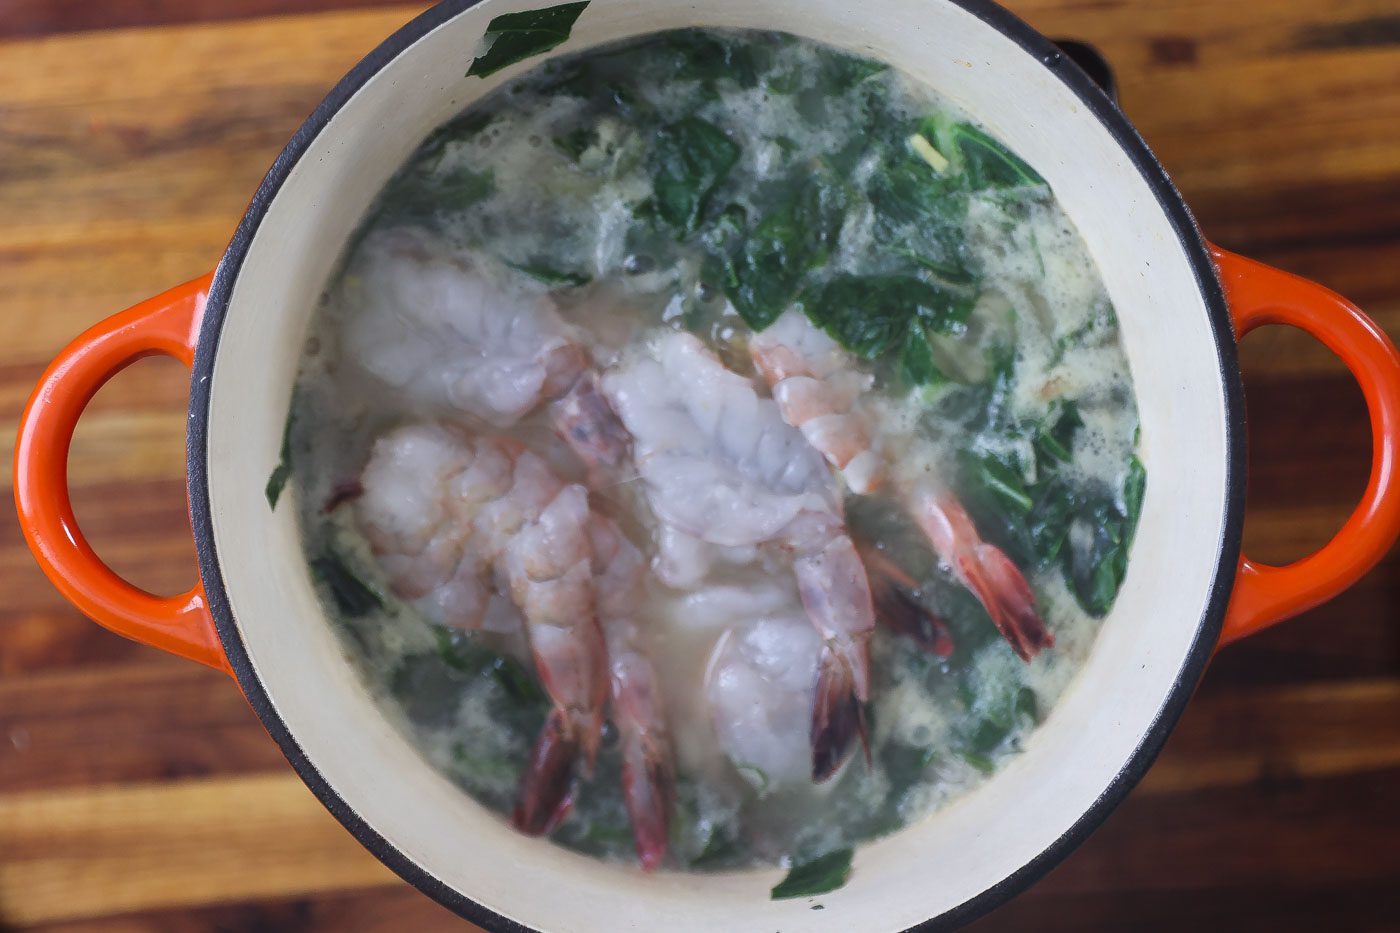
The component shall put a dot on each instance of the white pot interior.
(920, 872)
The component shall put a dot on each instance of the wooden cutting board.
(138, 792)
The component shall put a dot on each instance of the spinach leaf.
(763, 273)
(720, 849)
(1095, 571)
(692, 158)
(916, 364)
(871, 314)
(352, 595)
(462, 653)
(420, 196)
(818, 876)
(574, 143)
(558, 278)
(277, 481)
(513, 37)
(698, 55)
(989, 164)
(481, 766)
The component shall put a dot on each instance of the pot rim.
(1168, 198)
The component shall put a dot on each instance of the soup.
(715, 450)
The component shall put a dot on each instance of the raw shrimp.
(648, 775)
(431, 323)
(444, 513)
(810, 377)
(719, 465)
(759, 689)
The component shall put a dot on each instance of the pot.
(255, 615)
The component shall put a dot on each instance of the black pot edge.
(1137, 765)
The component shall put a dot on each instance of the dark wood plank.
(162, 719)
(32, 18)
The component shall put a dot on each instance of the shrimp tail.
(987, 571)
(547, 784)
(837, 716)
(892, 591)
(1008, 599)
(648, 789)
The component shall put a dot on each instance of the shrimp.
(720, 466)
(444, 513)
(429, 322)
(813, 384)
(760, 693)
(648, 776)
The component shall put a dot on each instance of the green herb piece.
(353, 596)
(692, 158)
(871, 314)
(514, 37)
(283, 471)
(557, 278)
(980, 762)
(818, 876)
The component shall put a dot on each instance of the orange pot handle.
(1259, 295)
(165, 324)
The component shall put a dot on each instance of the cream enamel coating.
(921, 871)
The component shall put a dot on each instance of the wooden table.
(138, 792)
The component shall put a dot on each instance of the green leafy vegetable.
(513, 37)
(574, 143)
(283, 471)
(692, 158)
(989, 164)
(353, 596)
(558, 278)
(871, 314)
(764, 271)
(1096, 571)
(818, 876)
(916, 364)
(720, 849)
(460, 652)
(485, 766)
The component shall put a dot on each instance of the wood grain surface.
(138, 792)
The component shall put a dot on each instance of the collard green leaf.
(352, 595)
(692, 157)
(818, 876)
(513, 37)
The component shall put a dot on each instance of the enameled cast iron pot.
(1181, 303)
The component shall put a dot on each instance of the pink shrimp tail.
(648, 788)
(837, 716)
(1007, 597)
(988, 572)
(547, 784)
